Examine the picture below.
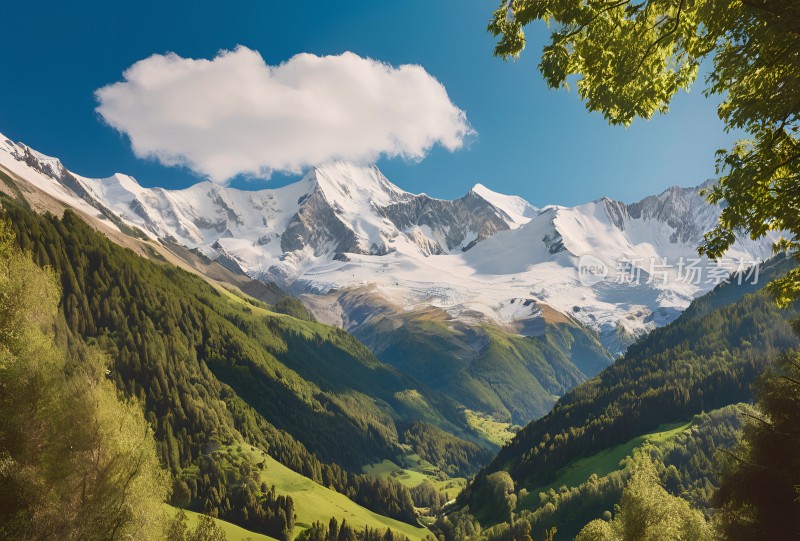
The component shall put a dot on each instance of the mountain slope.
(705, 359)
(687, 457)
(486, 368)
(213, 368)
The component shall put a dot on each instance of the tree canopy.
(76, 460)
(647, 511)
(630, 57)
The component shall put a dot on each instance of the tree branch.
(664, 36)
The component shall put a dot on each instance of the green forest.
(706, 359)
(205, 365)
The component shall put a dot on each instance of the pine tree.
(759, 495)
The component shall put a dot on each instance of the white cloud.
(237, 115)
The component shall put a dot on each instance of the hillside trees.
(631, 57)
(647, 511)
(706, 359)
(227, 484)
(452, 455)
(688, 466)
(192, 358)
(458, 526)
(76, 461)
(205, 530)
(426, 494)
(335, 531)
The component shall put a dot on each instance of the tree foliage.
(335, 531)
(630, 58)
(426, 494)
(452, 455)
(205, 530)
(647, 512)
(688, 466)
(292, 306)
(227, 484)
(760, 491)
(458, 526)
(76, 461)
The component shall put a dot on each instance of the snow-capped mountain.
(482, 257)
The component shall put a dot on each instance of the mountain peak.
(346, 183)
(517, 211)
(46, 165)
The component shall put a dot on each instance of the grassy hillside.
(232, 531)
(604, 462)
(497, 432)
(449, 456)
(413, 472)
(688, 461)
(686, 455)
(313, 502)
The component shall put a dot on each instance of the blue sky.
(534, 142)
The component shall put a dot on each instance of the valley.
(416, 397)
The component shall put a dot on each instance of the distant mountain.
(473, 272)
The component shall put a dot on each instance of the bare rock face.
(316, 224)
(683, 209)
(453, 225)
(324, 219)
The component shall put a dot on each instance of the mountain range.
(480, 297)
